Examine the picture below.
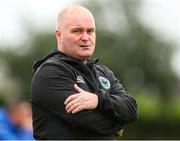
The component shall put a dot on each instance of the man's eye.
(76, 30)
(91, 31)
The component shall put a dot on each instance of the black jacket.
(52, 83)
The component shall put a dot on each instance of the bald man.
(73, 97)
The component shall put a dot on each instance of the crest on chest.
(104, 82)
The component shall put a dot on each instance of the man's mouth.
(85, 46)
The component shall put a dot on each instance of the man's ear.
(58, 36)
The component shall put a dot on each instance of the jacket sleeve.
(51, 85)
(117, 104)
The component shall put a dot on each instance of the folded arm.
(52, 85)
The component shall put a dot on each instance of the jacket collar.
(59, 55)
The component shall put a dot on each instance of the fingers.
(72, 104)
(77, 88)
(80, 101)
(70, 98)
(76, 108)
(75, 103)
(72, 107)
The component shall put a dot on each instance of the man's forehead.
(80, 17)
(82, 27)
(79, 21)
(76, 14)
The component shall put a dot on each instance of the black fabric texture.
(53, 80)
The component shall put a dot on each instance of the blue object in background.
(9, 131)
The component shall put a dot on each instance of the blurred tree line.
(140, 59)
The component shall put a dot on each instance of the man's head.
(75, 32)
(20, 113)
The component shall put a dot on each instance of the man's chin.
(87, 55)
(84, 57)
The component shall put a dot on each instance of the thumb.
(78, 89)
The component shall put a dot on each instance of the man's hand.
(80, 101)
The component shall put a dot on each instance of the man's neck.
(84, 62)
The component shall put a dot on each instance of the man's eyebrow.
(82, 27)
(93, 28)
(77, 28)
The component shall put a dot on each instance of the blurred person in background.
(16, 121)
(72, 96)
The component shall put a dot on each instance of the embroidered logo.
(104, 82)
(80, 79)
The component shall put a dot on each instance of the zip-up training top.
(53, 81)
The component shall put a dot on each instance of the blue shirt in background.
(8, 131)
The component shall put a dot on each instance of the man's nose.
(85, 36)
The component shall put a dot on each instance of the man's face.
(77, 37)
